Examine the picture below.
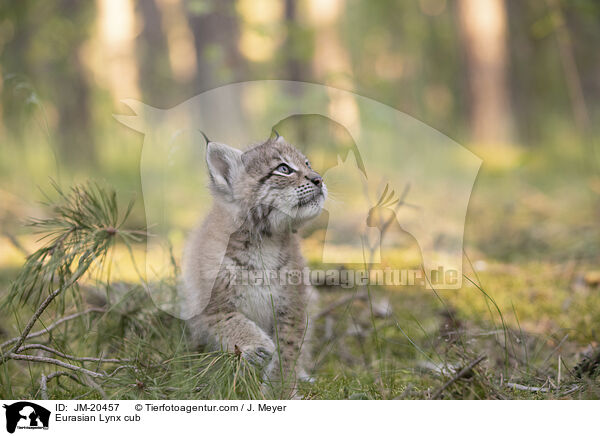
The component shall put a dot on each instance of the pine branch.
(84, 225)
(35, 317)
(44, 379)
(69, 357)
(56, 362)
(54, 325)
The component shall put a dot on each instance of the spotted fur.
(257, 207)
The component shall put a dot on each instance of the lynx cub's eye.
(308, 164)
(284, 170)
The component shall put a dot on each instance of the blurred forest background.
(516, 82)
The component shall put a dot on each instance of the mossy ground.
(530, 303)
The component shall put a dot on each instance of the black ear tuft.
(276, 137)
(205, 137)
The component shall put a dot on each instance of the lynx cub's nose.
(318, 180)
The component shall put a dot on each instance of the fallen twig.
(467, 369)
(53, 362)
(44, 387)
(53, 325)
(69, 357)
(46, 378)
(519, 387)
(574, 388)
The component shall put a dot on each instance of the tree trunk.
(483, 29)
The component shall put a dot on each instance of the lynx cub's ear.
(224, 164)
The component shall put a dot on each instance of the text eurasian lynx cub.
(261, 196)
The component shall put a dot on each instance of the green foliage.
(533, 224)
(81, 230)
(84, 224)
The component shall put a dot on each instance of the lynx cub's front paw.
(258, 354)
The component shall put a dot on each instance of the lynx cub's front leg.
(261, 197)
(290, 357)
(234, 332)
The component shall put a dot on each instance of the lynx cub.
(261, 196)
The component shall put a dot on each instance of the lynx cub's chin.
(261, 196)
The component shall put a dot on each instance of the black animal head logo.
(26, 415)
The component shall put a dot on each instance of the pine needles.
(84, 225)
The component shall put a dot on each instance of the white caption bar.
(299, 417)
